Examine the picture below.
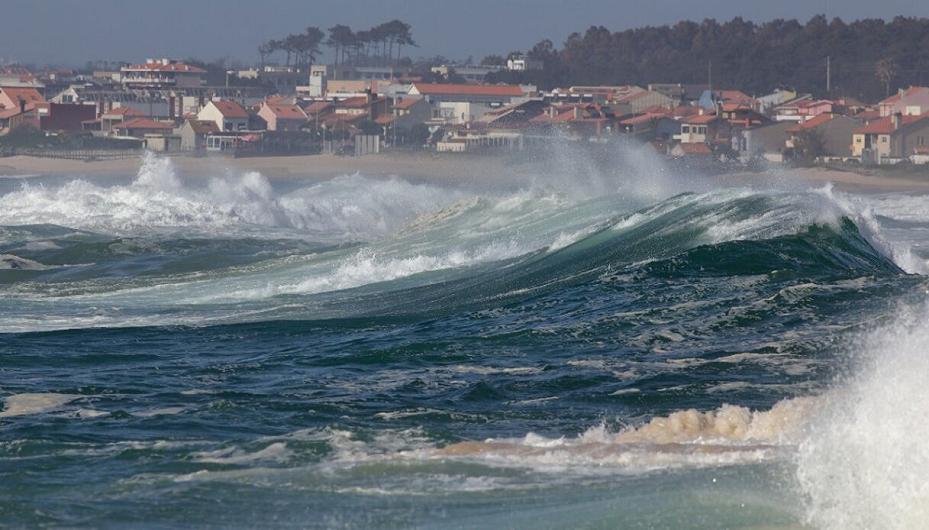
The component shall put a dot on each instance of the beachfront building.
(833, 130)
(227, 115)
(20, 105)
(195, 133)
(139, 127)
(459, 104)
(912, 101)
(765, 142)
(891, 139)
(283, 117)
(409, 111)
(700, 129)
(162, 73)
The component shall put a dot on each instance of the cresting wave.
(556, 241)
(346, 208)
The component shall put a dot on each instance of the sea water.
(633, 351)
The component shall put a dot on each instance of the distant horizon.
(66, 34)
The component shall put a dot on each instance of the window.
(858, 140)
(883, 139)
(685, 129)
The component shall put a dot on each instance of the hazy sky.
(73, 31)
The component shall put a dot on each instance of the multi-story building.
(162, 73)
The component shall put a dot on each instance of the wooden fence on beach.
(86, 155)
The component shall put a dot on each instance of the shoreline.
(484, 170)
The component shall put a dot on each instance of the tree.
(493, 60)
(312, 39)
(886, 71)
(265, 49)
(340, 38)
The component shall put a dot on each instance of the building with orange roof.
(283, 117)
(226, 114)
(21, 106)
(19, 98)
(139, 127)
(834, 130)
(911, 101)
(703, 129)
(891, 138)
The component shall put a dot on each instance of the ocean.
(638, 348)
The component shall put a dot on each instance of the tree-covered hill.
(869, 57)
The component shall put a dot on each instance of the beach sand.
(459, 169)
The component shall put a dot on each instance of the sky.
(71, 32)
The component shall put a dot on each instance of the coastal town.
(359, 108)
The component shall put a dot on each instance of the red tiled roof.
(358, 102)
(203, 126)
(124, 111)
(316, 107)
(158, 66)
(230, 109)
(700, 119)
(732, 107)
(286, 112)
(682, 111)
(643, 118)
(811, 123)
(144, 123)
(8, 113)
(433, 89)
(913, 90)
(733, 95)
(30, 95)
(406, 103)
(886, 125)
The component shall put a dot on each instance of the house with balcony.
(162, 74)
(459, 104)
(890, 139)
(702, 129)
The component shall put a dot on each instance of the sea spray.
(864, 461)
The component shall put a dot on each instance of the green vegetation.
(869, 58)
(365, 47)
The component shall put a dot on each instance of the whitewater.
(632, 347)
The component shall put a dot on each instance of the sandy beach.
(407, 165)
(431, 167)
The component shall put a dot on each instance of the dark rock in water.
(11, 262)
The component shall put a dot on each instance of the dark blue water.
(312, 358)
